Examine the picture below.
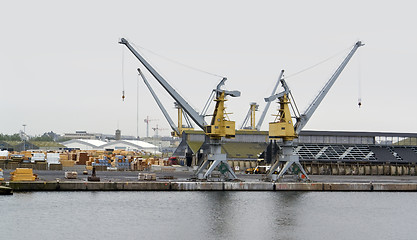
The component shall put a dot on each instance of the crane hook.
(359, 103)
(123, 96)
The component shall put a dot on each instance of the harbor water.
(209, 215)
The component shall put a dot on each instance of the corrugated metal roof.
(355, 134)
(141, 144)
(90, 142)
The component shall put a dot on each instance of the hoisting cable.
(209, 100)
(359, 83)
(137, 106)
(123, 74)
(294, 108)
(291, 97)
(176, 62)
(315, 65)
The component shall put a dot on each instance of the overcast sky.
(63, 70)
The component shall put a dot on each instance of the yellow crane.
(283, 127)
(220, 126)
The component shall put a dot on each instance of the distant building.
(165, 144)
(118, 134)
(83, 135)
(84, 144)
(131, 145)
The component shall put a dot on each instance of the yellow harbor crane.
(220, 126)
(283, 127)
(253, 107)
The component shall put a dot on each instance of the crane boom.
(302, 121)
(197, 118)
(261, 119)
(164, 111)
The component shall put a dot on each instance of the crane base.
(292, 160)
(217, 161)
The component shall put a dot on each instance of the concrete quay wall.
(205, 186)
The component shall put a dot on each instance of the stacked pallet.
(147, 177)
(82, 158)
(65, 159)
(138, 164)
(23, 174)
(27, 156)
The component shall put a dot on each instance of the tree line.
(16, 137)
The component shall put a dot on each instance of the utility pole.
(24, 137)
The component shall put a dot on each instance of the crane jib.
(317, 100)
(197, 118)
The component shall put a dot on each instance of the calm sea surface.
(209, 215)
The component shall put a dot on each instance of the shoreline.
(207, 186)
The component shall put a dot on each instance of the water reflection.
(251, 215)
(209, 215)
(285, 212)
(218, 214)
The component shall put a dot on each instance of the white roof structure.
(84, 144)
(131, 145)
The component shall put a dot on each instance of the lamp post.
(24, 137)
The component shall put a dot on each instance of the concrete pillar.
(406, 170)
(341, 168)
(361, 170)
(348, 169)
(355, 169)
(386, 169)
(399, 170)
(242, 165)
(413, 170)
(321, 169)
(367, 170)
(335, 169)
(374, 170)
(393, 170)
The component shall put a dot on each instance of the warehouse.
(84, 144)
(131, 145)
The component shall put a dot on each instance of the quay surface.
(180, 181)
(205, 186)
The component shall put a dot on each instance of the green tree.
(14, 137)
(43, 138)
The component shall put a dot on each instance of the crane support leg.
(218, 160)
(290, 158)
(201, 169)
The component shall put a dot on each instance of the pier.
(205, 186)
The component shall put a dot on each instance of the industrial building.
(311, 146)
(84, 144)
(129, 145)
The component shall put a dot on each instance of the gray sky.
(61, 64)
